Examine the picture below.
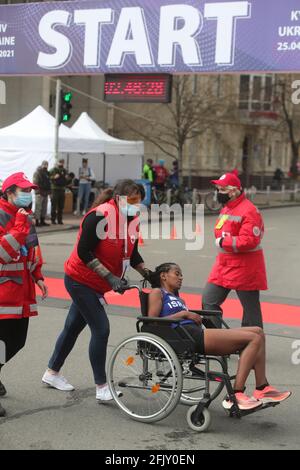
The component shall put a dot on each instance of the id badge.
(126, 266)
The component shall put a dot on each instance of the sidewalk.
(72, 222)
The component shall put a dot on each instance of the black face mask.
(223, 198)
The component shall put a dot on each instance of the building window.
(195, 85)
(217, 86)
(257, 92)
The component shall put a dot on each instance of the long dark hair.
(11, 189)
(154, 277)
(122, 188)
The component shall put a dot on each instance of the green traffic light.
(68, 97)
(66, 117)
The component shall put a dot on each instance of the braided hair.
(154, 277)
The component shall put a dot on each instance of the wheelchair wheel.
(147, 371)
(195, 386)
(203, 422)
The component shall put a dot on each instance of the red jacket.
(240, 263)
(110, 252)
(161, 174)
(20, 267)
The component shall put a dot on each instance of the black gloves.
(117, 284)
(147, 274)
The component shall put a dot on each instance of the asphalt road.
(43, 418)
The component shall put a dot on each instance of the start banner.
(153, 36)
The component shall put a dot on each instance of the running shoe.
(270, 394)
(244, 402)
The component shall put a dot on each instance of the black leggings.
(13, 333)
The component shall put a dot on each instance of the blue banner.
(152, 36)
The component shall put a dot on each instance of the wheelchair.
(159, 367)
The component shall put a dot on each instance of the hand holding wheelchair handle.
(118, 284)
(147, 273)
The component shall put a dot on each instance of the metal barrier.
(269, 195)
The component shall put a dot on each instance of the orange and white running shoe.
(271, 394)
(244, 402)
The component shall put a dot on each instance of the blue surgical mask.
(23, 199)
(129, 210)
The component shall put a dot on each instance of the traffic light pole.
(57, 116)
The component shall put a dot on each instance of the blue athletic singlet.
(173, 304)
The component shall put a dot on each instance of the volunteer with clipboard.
(240, 262)
(107, 244)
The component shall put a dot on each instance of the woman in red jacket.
(20, 267)
(240, 262)
(106, 245)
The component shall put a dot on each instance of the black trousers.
(57, 204)
(13, 334)
(214, 296)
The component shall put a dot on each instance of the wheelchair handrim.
(173, 390)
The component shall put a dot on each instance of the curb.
(206, 213)
(68, 228)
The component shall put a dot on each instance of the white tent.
(116, 158)
(29, 141)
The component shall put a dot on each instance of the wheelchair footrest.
(241, 413)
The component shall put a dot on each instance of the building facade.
(241, 125)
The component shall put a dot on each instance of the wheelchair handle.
(129, 287)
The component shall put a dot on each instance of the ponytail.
(105, 196)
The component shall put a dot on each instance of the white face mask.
(23, 199)
(129, 210)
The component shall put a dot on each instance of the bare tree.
(191, 114)
(290, 119)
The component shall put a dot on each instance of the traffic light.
(65, 106)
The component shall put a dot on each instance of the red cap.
(17, 179)
(229, 179)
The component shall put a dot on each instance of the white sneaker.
(75, 213)
(83, 212)
(57, 381)
(103, 393)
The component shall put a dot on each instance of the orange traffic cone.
(141, 240)
(173, 235)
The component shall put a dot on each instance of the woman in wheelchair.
(164, 301)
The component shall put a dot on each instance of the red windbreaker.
(20, 267)
(240, 263)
